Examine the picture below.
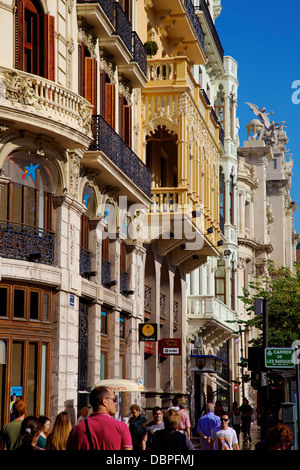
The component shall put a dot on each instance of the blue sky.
(263, 36)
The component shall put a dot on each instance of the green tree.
(282, 290)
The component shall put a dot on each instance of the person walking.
(151, 427)
(236, 419)
(246, 411)
(57, 439)
(223, 437)
(169, 439)
(101, 431)
(30, 431)
(185, 424)
(10, 435)
(45, 428)
(137, 424)
(83, 414)
(206, 424)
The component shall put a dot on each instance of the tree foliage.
(282, 290)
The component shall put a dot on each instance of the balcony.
(111, 24)
(210, 317)
(23, 242)
(118, 164)
(181, 28)
(168, 76)
(209, 29)
(32, 103)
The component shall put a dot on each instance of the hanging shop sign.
(170, 346)
(149, 347)
(148, 332)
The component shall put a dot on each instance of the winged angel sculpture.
(266, 130)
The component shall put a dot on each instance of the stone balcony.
(211, 318)
(32, 103)
(180, 26)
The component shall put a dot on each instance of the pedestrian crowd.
(166, 432)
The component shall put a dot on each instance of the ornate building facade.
(181, 137)
(212, 288)
(72, 279)
(266, 210)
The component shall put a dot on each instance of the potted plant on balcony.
(151, 48)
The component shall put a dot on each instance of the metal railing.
(203, 7)
(84, 263)
(195, 22)
(109, 142)
(139, 53)
(23, 242)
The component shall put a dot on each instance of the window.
(125, 121)
(103, 365)
(220, 292)
(103, 326)
(122, 326)
(232, 286)
(107, 99)
(35, 39)
(25, 302)
(231, 200)
(222, 198)
(27, 198)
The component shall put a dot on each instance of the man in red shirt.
(101, 431)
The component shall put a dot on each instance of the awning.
(218, 381)
(122, 385)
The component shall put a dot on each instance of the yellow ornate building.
(180, 135)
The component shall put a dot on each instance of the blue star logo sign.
(85, 197)
(30, 170)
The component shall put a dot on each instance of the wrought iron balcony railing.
(195, 22)
(122, 26)
(108, 141)
(105, 272)
(23, 242)
(123, 281)
(85, 263)
(106, 5)
(139, 52)
(203, 7)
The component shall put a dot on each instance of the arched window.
(27, 199)
(35, 51)
(231, 199)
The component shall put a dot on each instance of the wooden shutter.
(127, 125)
(109, 103)
(105, 247)
(90, 81)
(123, 257)
(46, 46)
(84, 242)
(20, 34)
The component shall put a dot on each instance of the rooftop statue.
(264, 129)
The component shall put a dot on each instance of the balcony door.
(162, 158)
(35, 39)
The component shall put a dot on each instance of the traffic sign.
(279, 358)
